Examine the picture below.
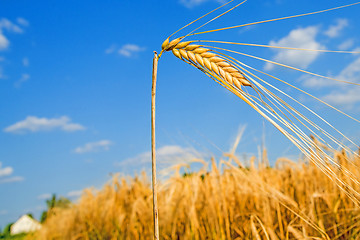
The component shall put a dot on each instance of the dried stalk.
(153, 150)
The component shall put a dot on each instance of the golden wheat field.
(296, 66)
(315, 197)
(291, 200)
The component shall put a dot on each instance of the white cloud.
(35, 124)
(9, 26)
(167, 155)
(44, 196)
(75, 193)
(351, 73)
(1, 73)
(343, 94)
(4, 42)
(245, 29)
(5, 171)
(346, 97)
(347, 44)
(22, 21)
(357, 49)
(11, 179)
(25, 62)
(110, 49)
(128, 50)
(316, 82)
(24, 78)
(298, 38)
(103, 145)
(5, 175)
(6, 26)
(334, 30)
(194, 3)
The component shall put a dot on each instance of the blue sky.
(75, 80)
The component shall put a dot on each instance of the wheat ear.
(206, 60)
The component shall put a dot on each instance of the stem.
(153, 150)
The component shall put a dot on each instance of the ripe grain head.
(206, 60)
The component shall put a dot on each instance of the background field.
(292, 200)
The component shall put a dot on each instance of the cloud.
(5, 175)
(357, 49)
(316, 82)
(6, 26)
(103, 145)
(298, 38)
(35, 124)
(194, 3)
(75, 193)
(4, 42)
(22, 21)
(25, 62)
(351, 73)
(9, 26)
(346, 97)
(24, 78)
(2, 73)
(5, 171)
(128, 50)
(347, 44)
(334, 30)
(343, 94)
(110, 49)
(11, 179)
(167, 155)
(44, 196)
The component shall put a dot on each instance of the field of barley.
(223, 200)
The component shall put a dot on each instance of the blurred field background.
(229, 200)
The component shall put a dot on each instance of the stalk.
(153, 150)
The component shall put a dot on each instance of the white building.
(24, 224)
